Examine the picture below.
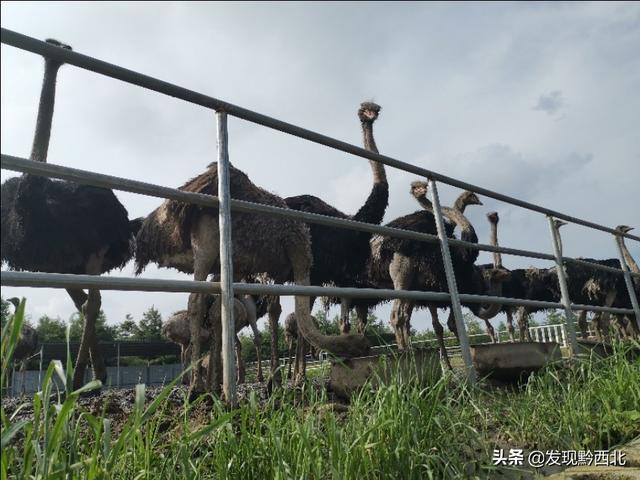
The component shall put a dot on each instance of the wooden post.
(226, 265)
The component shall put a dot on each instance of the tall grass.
(402, 430)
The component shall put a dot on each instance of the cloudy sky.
(537, 100)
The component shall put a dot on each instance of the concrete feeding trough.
(588, 347)
(350, 375)
(511, 362)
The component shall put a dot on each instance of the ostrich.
(595, 287)
(455, 216)
(340, 255)
(176, 329)
(302, 347)
(186, 237)
(510, 287)
(530, 284)
(58, 226)
(418, 191)
(412, 265)
(633, 266)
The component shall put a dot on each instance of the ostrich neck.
(376, 204)
(493, 240)
(379, 174)
(425, 203)
(455, 214)
(45, 112)
(631, 263)
(460, 204)
(467, 233)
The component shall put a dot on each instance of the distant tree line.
(149, 327)
(54, 329)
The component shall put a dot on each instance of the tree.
(128, 329)
(555, 318)
(150, 325)
(51, 329)
(5, 313)
(473, 325)
(104, 332)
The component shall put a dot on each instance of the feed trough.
(588, 347)
(509, 362)
(350, 375)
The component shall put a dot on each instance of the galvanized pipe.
(456, 307)
(628, 281)
(107, 181)
(66, 280)
(564, 290)
(70, 57)
(226, 265)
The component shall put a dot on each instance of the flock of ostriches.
(63, 227)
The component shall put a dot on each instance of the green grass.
(402, 430)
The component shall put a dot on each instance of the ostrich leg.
(300, 368)
(401, 273)
(510, 325)
(257, 341)
(362, 313)
(94, 302)
(206, 249)
(240, 361)
(491, 331)
(582, 324)
(78, 297)
(451, 323)
(523, 324)
(345, 310)
(215, 364)
(437, 328)
(406, 312)
(274, 310)
(89, 338)
(80, 300)
(290, 351)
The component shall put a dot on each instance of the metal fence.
(226, 287)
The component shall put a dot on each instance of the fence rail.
(86, 62)
(223, 108)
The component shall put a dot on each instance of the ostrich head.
(493, 217)
(469, 198)
(419, 189)
(624, 228)
(368, 112)
(15, 301)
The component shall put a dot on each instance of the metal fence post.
(118, 363)
(40, 367)
(564, 290)
(451, 283)
(628, 281)
(226, 264)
